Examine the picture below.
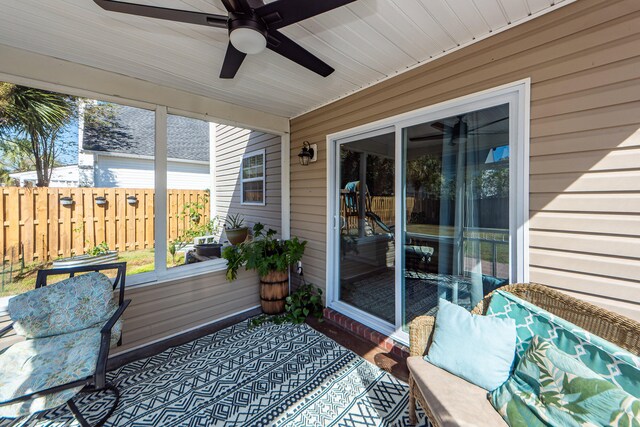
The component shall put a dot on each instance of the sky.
(70, 135)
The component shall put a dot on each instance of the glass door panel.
(366, 206)
(456, 210)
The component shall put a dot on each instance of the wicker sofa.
(450, 401)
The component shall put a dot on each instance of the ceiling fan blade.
(232, 62)
(208, 19)
(426, 138)
(286, 47)
(439, 126)
(236, 6)
(286, 12)
(489, 124)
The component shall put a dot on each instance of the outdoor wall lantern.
(132, 200)
(308, 153)
(66, 201)
(101, 201)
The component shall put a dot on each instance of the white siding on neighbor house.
(123, 172)
(231, 144)
(61, 176)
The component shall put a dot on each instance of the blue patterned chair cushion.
(611, 362)
(67, 306)
(41, 363)
(550, 387)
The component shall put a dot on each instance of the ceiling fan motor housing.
(247, 33)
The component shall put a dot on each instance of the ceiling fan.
(252, 25)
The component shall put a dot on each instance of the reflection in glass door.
(366, 225)
(456, 210)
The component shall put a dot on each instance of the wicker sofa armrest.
(421, 334)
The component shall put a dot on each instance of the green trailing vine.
(304, 302)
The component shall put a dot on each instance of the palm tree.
(38, 116)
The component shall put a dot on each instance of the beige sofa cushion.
(452, 400)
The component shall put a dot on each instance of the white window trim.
(518, 95)
(263, 153)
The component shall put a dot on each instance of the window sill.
(154, 278)
(176, 273)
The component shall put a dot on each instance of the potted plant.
(235, 229)
(271, 258)
(200, 237)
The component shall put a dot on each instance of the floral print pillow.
(70, 305)
(609, 361)
(550, 388)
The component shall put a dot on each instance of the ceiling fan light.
(248, 40)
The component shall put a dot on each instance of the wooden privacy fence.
(428, 211)
(37, 227)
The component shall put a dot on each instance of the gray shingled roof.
(133, 130)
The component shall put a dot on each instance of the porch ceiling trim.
(45, 72)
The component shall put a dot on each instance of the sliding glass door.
(456, 209)
(429, 205)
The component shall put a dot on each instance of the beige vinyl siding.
(164, 309)
(231, 144)
(584, 64)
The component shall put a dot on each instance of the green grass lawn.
(22, 280)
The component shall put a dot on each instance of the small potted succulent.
(235, 229)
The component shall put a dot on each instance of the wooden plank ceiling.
(366, 41)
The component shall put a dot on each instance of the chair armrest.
(6, 329)
(114, 318)
(105, 343)
(420, 335)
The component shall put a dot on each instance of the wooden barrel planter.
(274, 289)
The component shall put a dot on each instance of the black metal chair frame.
(97, 381)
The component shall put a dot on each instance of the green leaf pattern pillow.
(609, 361)
(550, 388)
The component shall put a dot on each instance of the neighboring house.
(122, 155)
(61, 176)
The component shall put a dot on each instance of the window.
(90, 199)
(191, 228)
(252, 178)
(132, 181)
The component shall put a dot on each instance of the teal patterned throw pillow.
(609, 361)
(550, 388)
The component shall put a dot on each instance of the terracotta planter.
(274, 289)
(237, 235)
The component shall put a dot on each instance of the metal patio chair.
(69, 327)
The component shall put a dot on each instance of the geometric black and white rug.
(271, 375)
